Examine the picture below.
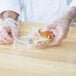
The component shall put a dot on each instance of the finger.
(14, 32)
(6, 41)
(7, 37)
(56, 41)
(51, 26)
(1, 41)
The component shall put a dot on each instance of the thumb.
(56, 41)
(14, 32)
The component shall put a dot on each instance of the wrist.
(70, 14)
(67, 20)
(10, 21)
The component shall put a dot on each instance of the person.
(56, 14)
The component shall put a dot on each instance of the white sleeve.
(73, 3)
(12, 5)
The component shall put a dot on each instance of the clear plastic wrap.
(25, 41)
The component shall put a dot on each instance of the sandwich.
(43, 39)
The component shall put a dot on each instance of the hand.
(59, 28)
(8, 31)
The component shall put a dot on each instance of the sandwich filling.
(44, 36)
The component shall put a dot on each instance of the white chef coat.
(39, 11)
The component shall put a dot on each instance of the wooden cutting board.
(53, 61)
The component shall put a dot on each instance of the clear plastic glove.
(8, 31)
(60, 30)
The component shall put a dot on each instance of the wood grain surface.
(53, 61)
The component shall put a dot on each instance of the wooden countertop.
(54, 61)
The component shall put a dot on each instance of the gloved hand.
(8, 31)
(60, 29)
